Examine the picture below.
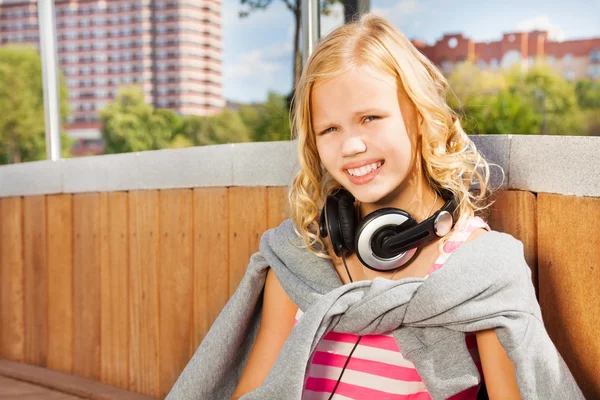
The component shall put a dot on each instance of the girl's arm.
(498, 369)
(278, 317)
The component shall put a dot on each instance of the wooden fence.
(121, 287)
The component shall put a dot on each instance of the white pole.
(310, 27)
(50, 77)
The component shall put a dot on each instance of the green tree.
(588, 93)
(508, 112)
(173, 120)
(250, 118)
(130, 124)
(225, 127)
(179, 142)
(273, 122)
(538, 101)
(22, 127)
(554, 98)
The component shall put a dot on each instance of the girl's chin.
(369, 195)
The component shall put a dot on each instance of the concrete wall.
(549, 164)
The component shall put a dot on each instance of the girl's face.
(361, 136)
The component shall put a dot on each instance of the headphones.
(385, 239)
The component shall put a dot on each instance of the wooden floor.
(22, 381)
(14, 389)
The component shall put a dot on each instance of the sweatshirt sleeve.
(216, 366)
(485, 284)
(540, 370)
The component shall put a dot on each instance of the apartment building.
(171, 48)
(573, 59)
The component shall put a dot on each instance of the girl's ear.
(420, 123)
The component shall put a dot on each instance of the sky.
(257, 50)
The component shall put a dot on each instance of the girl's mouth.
(364, 174)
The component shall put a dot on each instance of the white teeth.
(365, 169)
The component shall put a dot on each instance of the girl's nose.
(353, 145)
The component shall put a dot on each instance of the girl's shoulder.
(463, 230)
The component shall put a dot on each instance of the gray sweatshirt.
(484, 284)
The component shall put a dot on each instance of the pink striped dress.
(377, 369)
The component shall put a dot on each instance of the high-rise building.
(171, 48)
(573, 59)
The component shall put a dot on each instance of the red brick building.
(574, 59)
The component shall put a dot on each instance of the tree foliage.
(588, 94)
(225, 127)
(537, 101)
(22, 126)
(131, 124)
(272, 121)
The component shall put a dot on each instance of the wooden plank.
(65, 383)
(175, 284)
(143, 292)
(569, 282)
(60, 282)
(278, 209)
(247, 223)
(86, 285)
(514, 212)
(211, 264)
(12, 328)
(35, 280)
(15, 389)
(114, 281)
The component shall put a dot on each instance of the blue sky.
(257, 50)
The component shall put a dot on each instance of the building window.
(569, 74)
(595, 55)
(568, 58)
(594, 71)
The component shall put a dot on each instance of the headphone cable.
(355, 344)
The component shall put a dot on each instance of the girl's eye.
(371, 118)
(326, 131)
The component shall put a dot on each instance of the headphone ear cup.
(373, 229)
(323, 224)
(347, 220)
(329, 225)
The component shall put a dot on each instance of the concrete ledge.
(550, 164)
(567, 165)
(40, 177)
(496, 150)
(264, 164)
(184, 168)
(107, 173)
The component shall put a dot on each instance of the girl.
(369, 101)
(377, 139)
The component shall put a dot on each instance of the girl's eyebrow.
(368, 111)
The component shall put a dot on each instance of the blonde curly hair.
(448, 157)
